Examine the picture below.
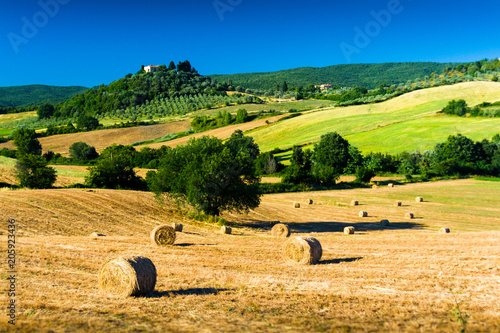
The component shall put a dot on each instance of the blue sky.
(77, 42)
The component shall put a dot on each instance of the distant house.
(324, 86)
(151, 68)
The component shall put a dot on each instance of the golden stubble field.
(104, 138)
(405, 277)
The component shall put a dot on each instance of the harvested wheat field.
(221, 133)
(104, 138)
(402, 277)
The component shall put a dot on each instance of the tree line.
(215, 176)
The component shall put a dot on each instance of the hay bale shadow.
(193, 244)
(389, 181)
(307, 227)
(327, 226)
(185, 292)
(338, 261)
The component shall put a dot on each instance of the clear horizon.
(71, 43)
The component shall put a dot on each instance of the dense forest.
(369, 76)
(22, 96)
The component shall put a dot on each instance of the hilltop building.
(324, 86)
(151, 68)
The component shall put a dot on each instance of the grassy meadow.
(404, 277)
(401, 116)
(423, 134)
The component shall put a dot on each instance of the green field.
(284, 106)
(423, 134)
(403, 123)
(8, 162)
(6, 118)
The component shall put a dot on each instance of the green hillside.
(165, 92)
(404, 123)
(363, 75)
(36, 94)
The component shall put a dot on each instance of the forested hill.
(141, 88)
(355, 75)
(36, 94)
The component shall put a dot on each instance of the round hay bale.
(354, 203)
(374, 187)
(163, 235)
(226, 230)
(384, 223)
(309, 201)
(390, 185)
(304, 250)
(409, 216)
(362, 213)
(128, 276)
(95, 234)
(398, 203)
(419, 199)
(280, 230)
(444, 230)
(349, 230)
(177, 227)
(296, 204)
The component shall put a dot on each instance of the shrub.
(364, 175)
(82, 152)
(32, 172)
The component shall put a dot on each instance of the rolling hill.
(104, 138)
(36, 94)
(405, 123)
(363, 75)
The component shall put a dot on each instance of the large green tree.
(458, 155)
(299, 170)
(86, 122)
(210, 175)
(330, 157)
(171, 66)
(184, 66)
(82, 152)
(26, 142)
(241, 116)
(455, 107)
(114, 169)
(45, 111)
(32, 172)
(31, 168)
